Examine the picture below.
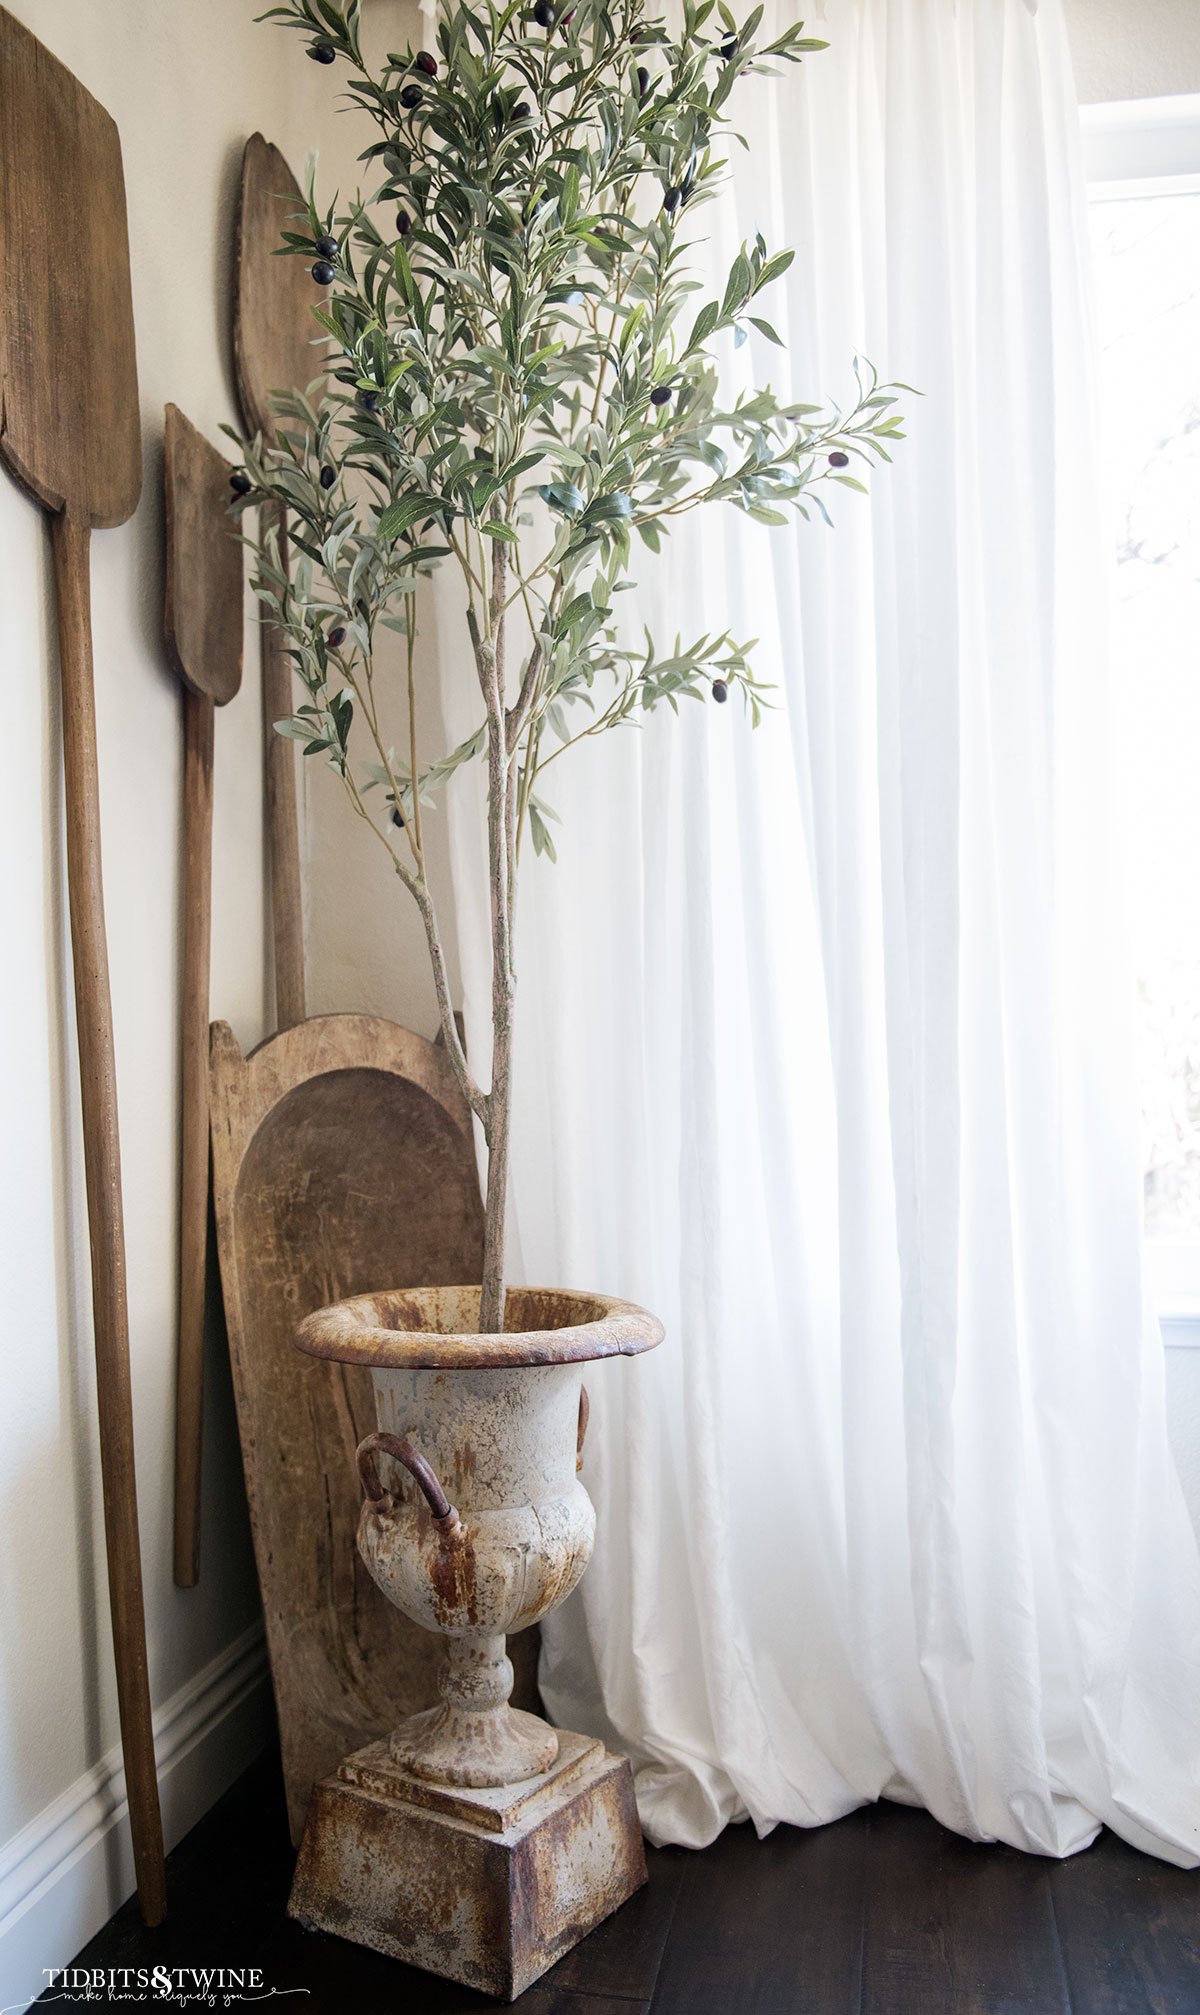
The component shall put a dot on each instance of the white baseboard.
(63, 1875)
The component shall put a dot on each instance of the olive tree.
(521, 386)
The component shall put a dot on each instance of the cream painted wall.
(186, 85)
(366, 948)
(1151, 50)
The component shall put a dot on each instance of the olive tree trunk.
(502, 807)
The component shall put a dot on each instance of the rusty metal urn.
(474, 1523)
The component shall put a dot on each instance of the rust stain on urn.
(436, 1328)
(452, 1577)
(487, 1894)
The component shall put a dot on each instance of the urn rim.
(418, 1329)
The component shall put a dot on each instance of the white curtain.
(824, 1056)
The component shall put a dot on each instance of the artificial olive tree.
(521, 386)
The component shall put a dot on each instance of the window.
(1144, 173)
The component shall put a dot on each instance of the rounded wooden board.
(204, 596)
(277, 344)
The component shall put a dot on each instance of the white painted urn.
(474, 1521)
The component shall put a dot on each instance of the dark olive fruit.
(720, 691)
(426, 64)
(661, 395)
(369, 400)
(837, 460)
(240, 483)
(643, 80)
(336, 638)
(397, 816)
(322, 52)
(729, 49)
(670, 200)
(543, 14)
(519, 111)
(327, 247)
(322, 272)
(328, 477)
(411, 97)
(403, 223)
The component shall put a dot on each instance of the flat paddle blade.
(204, 564)
(69, 429)
(277, 345)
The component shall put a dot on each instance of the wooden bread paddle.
(203, 619)
(70, 434)
(274, 334)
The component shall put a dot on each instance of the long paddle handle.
(283, 830)
(102, 1164)
(193, 1185)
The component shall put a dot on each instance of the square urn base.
(488, 1888)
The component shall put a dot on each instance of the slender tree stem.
(528, 780)
(489, 655)
(492, 1297)
(417, 887)
(410, 621)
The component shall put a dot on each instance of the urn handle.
(423, 1474)
(585, 1407)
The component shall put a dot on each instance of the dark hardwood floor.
(882, 1914)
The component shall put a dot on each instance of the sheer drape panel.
(822, 1049)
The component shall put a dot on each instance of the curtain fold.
(823, 1046)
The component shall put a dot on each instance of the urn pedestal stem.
(474, 1737)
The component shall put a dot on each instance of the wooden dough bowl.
(342, 1164)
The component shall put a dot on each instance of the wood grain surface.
(881, 1913)
(71, 434)
(193, 1129)
(204, 592)
(71, 428)
(283, 816)
(277, 347)
(203, 620)
(342, 1159)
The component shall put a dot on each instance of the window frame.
(1151, 147)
